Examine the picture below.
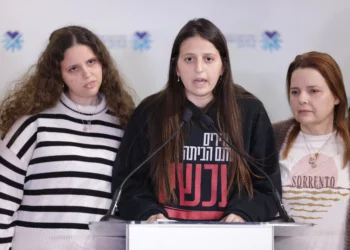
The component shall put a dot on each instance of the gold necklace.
(313, 157)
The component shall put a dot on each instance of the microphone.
(207, 121)
(116, 197)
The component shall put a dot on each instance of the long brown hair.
(331, 72)
(41, 87)
(172, 104)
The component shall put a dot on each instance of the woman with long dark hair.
(197, 176)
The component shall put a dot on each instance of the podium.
(174, 235)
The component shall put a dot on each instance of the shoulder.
(252, 110)
(252, 104)
(256, 124)
(281, 130)
(26, 126)
(149, 105)
(22, 132)
(247, 102)
(282, 127)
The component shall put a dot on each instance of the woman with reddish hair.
(314, 151)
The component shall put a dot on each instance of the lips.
(200, 81)
(90, 85)
(304, 111)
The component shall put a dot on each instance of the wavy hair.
(41, 87)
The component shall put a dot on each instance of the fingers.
(156, 217)
(161, 217)
(152, 218)
(232, 218)
(228, 218)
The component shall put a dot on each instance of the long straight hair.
(171, 104)
(331, 72)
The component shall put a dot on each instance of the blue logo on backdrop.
(242, 40)
(115, 41)
(271, 41)
(141, 41)
(12, 41)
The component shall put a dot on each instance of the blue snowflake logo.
(271, 41)
(12, 41)
(141, 41)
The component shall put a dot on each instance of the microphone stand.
(277, 197)
(116, 197)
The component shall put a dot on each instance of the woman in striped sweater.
(61, 128)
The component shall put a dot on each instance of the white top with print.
(316, 194)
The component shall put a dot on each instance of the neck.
(320, 129)
(84, 101)
(200, 102)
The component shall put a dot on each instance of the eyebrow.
(71, 66)
(76, 65)
(92, 58)
(309, 87)
(205, 54)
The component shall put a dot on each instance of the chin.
(93, 91)
(305, 120)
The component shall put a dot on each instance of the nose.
(86, 72)
(199, 66)
(303, 97)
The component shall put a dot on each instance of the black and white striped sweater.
(55, 177)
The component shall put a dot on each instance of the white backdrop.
(303, 25)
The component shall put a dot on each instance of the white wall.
(304, 25)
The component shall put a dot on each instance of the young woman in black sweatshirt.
(197, 176)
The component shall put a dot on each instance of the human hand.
(232, 218)
(156, 217)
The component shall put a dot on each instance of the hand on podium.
(232, 218)
(157, 217)
(229, 218)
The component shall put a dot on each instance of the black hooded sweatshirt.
(201, 179)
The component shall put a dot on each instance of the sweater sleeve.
(281, 130)
(16, 149)
(260, 144)
(138, 201)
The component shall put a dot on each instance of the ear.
(222, 70)
(336, 101)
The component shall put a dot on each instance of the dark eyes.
(312, 91)
(89, 62)
(207, 59)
